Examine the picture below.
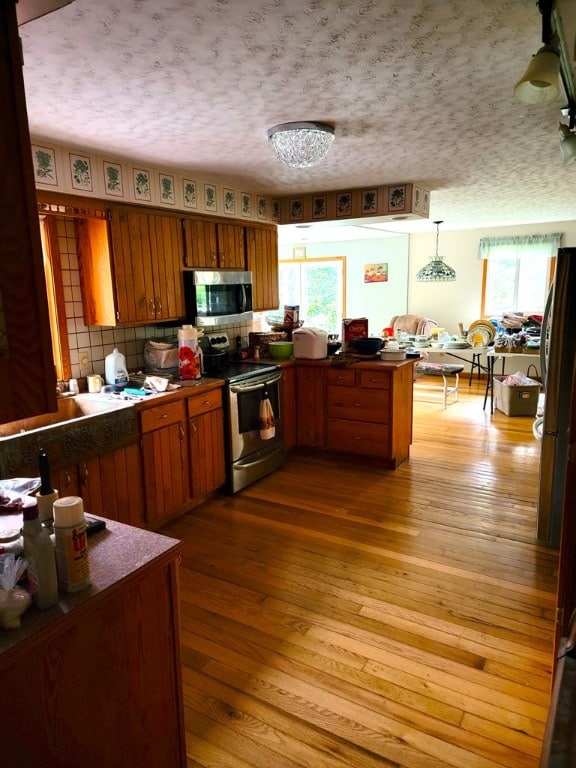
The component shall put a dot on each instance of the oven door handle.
(255, 387)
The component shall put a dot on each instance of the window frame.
(315, 260)
(485, 264)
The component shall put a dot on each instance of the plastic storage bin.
(516, 400)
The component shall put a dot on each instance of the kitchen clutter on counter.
(43, 545)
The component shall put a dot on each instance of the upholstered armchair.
(414, 325)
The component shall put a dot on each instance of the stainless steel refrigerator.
(558, 361)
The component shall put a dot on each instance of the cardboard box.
(516, 400)
(353, 328)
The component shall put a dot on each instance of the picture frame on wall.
(376, 273)
(229, 202)
(166, 188)
(262, 208)
(344, 204)
(319, 207)
(246, 204)
(397, 199)
(369, 201)
(141, 180)
(275, 210)
(210, 197)
(113, 179)
(81, 172)
(296, 209)
(189, 194)
(44, 162)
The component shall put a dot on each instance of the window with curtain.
(318, 287)
(517, 272)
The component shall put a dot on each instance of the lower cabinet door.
(165, 459)
(359, 437)
(206, 447)
(110, 486)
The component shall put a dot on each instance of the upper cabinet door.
(213, 245)
(262, 261)
(200, 246)
(130, 268)
(231, 251)
(27, 374)
(166, 259)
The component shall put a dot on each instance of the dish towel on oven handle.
(267, 428)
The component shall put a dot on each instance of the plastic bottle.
(115, 369)
(189, 353)
(41, 563)
(71, 543)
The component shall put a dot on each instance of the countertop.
(346, 361)
(115, 554)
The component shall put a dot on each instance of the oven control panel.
(218, 340)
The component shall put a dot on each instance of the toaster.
(310, 343)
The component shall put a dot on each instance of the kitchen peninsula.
(96, 679)
(360, 408)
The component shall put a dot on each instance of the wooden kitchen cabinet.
(262, 261)
(364, 409)
(130, 267)
(311, 406)
(165, 461)
(111, 485)
(369, 412)
(214, 245)
(27, 373)
(206, 442)
(288, 394)
(96, 680)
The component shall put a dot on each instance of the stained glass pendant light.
(436, 271)
(302, 144)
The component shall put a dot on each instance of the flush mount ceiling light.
(303, 144)
(436, 271)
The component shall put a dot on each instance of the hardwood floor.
(335, 615)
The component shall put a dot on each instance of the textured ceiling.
(419, 91)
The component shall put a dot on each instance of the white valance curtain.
(518, 246)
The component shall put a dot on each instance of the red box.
(353, 328)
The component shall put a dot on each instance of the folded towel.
(267, 425)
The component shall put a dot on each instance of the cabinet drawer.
(209, 401)
(359, 437)
(375, 379)
(359, 404)
(161, 416)
(341, 377)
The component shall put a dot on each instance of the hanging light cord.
(437, 236)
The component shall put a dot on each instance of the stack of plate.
(481, 332)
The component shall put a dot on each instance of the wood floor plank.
(338, 616)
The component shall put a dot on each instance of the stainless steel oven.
(250, 456)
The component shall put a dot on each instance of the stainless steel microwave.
(217, 297)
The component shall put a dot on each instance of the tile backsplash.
(89, 345)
